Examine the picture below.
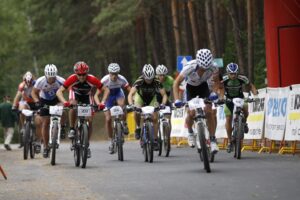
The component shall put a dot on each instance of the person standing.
(8, 119)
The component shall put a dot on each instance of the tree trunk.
(175, 27)
(141, 44)
(232, 9)
(210, 27)
(150, 36)
(216, 20)
(184, 28)
(164, 35)
(193, 26)
(250, 39)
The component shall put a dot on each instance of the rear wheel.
(150, 142)
(160, 140)
(85, 144)
(26, 140)
(54, 133)
(120, 142)
(204, 149)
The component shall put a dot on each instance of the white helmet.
(113, 68)
(161, 70)
(50, 70)
(148, 72)
(204, 58)
(27, 76)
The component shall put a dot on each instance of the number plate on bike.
(27, 112)
(56, 110)
(196, 103)
(116, 110)
(84, 111)
(148, 110)
(238, 102)
(167, 110)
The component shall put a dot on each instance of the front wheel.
(239, 137)
(84, 144)
(166, 139)
(204, 149)
(54, 134)
(26, 140)
(120, 142)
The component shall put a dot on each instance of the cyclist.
(23, 100)
(198, 73)
(115, 83)
(144, 91)
(232, 88)
(167, 82)
(44, 94)
(81, 85)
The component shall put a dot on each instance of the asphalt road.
(180, 176)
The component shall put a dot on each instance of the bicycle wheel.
(239, 137)
(84, 144)
(204, 149)
(160, 139)
(54, 133)
(76, 148)
(166, 139)
(150, 142)
(26, 140)
(120, 141)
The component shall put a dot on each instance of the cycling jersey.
(82, 88)
(26, 91)
(48, 91)
(147, 91)
(233, 87)
(115, 89)
(167, 84)
(189, 71)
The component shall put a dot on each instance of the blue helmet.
(232, 68)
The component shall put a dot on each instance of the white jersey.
(121, 82)
(189, 71)
(48, 91)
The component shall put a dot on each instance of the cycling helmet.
(161, 70)
(232, 68)
(50, 70)
(148, 72)
(113, 68)
(204, 58)
(81, 68)
(28, 77)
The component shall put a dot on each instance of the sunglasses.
(81, 74)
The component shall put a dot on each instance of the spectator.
(8, 119)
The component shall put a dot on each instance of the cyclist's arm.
(96, 96)
(35, 94)
(105, 95)
(60, 94)
(176, 84)
(130, 95)
(253, 89)
(17, 98)
(164, 95)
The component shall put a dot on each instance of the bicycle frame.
(29, 145)
(164, 138)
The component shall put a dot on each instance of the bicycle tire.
(26, 140)
(150, 141)
(160, 140)
(120, 141)
(202, 140)
(84, 144)
(143, 140)
(76, 149)
(54, 135)
(166, 139)
(239, 137)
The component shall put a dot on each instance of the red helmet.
(81, 68)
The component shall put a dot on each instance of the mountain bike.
(80, 143)
(29, 136)
(202, 135)
(239, 122)
(117, 114)
(164, 131)
(55, 130)
(147, 136)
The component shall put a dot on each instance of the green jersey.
(233, 88)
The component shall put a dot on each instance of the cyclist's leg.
(121, 102)
(138, 102)
(228, 109)
(246, 113)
